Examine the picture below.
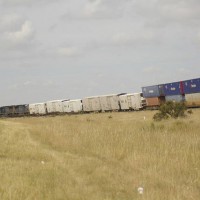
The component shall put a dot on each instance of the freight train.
(151, 97)
(105, 103)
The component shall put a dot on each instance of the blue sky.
(55, 49)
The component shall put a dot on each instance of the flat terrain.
(100, 157)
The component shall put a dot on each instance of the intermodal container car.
(154, 101)
(153, 91)
(191, 86)
(175, 98)
(175, 88)
(192, 100)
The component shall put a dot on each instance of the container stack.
(174, 92)
(182, 91)
(154, 95)
(192, 92)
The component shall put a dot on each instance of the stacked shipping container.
(174, 92)
(191, 86)
(182, 91)
(154, 95)
(192, 92)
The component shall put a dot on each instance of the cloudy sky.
(57, 49)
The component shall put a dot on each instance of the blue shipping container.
(153, 91)
(161, 90)
(175, 88)
(191, 86)
(175, 98)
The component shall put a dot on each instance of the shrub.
(190, 112)
(170, 109)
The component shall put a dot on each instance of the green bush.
(170, 109)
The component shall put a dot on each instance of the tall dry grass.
(100, 156)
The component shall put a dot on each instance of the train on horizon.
(187, 91)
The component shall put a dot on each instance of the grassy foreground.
(100, 157)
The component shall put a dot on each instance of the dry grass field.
(104, 156)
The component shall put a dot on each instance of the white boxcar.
(132, 101)
(125, 103)
(37, 108)
(72, 106)
(41, 108)
(91, 104)
(54, 106)
(109, 102)
(32, 109)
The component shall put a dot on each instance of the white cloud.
(15, 31)
(9, 21)
(105, 9)
(68, 51)
(92, 7)
(121, 38)
(25, 33)
(142, 36)
(49, 83)
(165, 12)
(28, 83)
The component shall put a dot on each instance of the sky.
(69, 49)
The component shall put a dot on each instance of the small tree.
(170, 109)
